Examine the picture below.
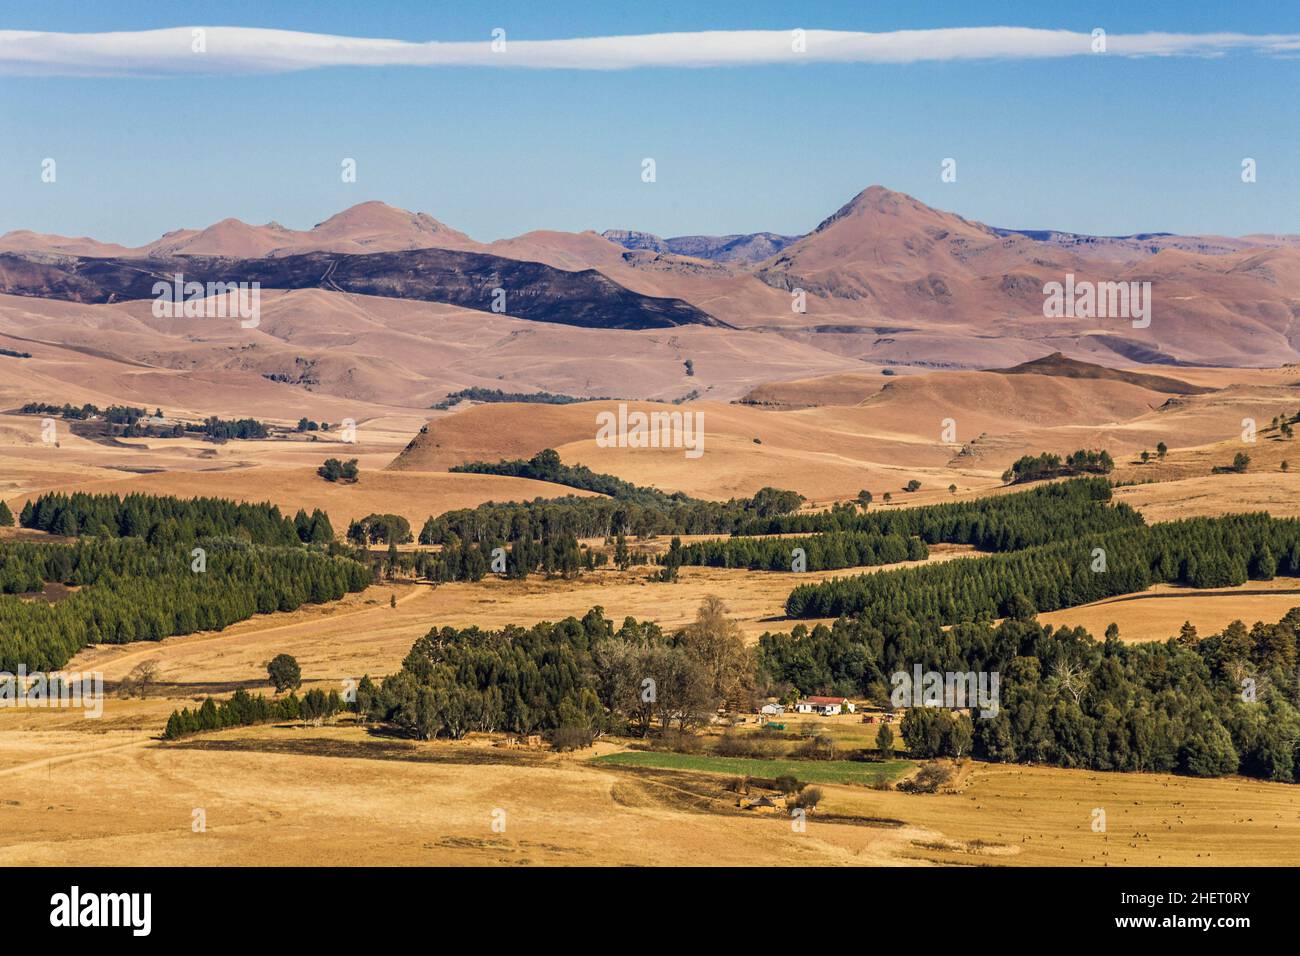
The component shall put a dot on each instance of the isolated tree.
(1240, 461)
(952, 489)
(885, 741)
(1146, 457)
(284, 672)
(864, 498)
(912, 485)
(143, 676)
(1162, 449)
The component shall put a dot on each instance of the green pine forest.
(136, 576)
(1213, 705)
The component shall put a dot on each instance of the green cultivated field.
(806, 771)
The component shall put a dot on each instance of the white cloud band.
(231, 50)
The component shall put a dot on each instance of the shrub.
(336, 470)
(929, 779)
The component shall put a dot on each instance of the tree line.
(217, 429)
(114, 414)
(490, 395)
(544, 518)
(221, 429)
(243, 710)
(1048, 465)
(822, 552)
(158, 518)
(546, 466)
(460, 561)
(1200, 552)
(1006, 522)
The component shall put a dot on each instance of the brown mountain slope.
(887, 279)
(880, 235)
(947, 283)
(326, 345)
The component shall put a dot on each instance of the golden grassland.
(341, 794)
(1157, 613)
(108, 791)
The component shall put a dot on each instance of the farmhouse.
(772, 710)
(825, 706)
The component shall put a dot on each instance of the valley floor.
(341, 795)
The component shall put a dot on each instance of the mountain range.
(885, 279)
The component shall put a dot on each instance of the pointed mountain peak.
(881, 206)
(875, 201)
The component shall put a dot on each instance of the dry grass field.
(109, 791)
(340, 795)
(1157, 613)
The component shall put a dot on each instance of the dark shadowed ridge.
(533, 291)
(1059, 365)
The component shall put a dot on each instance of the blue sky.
(1107, 145)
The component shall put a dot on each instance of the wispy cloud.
(231, 50)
